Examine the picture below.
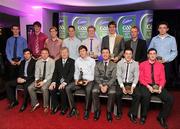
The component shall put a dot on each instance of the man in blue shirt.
(166, 47)
(14, 51)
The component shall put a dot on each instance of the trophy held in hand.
(81, 81)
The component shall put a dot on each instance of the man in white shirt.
(84, 70)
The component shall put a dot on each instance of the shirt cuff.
(133, 85)
(44, 80)
(121, 85)
(54, 83)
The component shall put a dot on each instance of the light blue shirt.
(166, 47)
(72, 45)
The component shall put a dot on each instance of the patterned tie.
(37, 45)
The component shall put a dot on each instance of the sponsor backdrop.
(143, 19)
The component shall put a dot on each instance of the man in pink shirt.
(37, 40)
(152, 81)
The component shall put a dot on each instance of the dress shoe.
(13, 104)
(96, 115)
(35, 107)
(162, 122)
(142, 120)
(46, 110)
(73, 112)
(118, 116)
(63, 111)
(23, 107)
(55, 110)
(109, 117)
(132, 118)
(86, 115)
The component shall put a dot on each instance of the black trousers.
(71, 88)
(55, 98)
(164, 96)
(111, 97)
(13, 71)
(168, 73)
(11, 90)
(136, 96)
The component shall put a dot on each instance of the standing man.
(54, 44)
(166, 47)
(14, 51)
(114, 42)
(105, 82)
(37, 40)
(84, 76)
(72, 43)
(43, 74)
(152, 80)
(92, 43)
(128, 76)
(63, 75)
(138, 45)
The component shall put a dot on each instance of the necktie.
(64, 62)
(91, 45)
(37, 45)
(152, 74)
(105, 66)
(44, 70)
(127, 69)
(25, 68)
(15, 48)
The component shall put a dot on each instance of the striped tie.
(37, 45)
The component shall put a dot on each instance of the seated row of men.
(105, 77)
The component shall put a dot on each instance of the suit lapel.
(108, 41)
(137, 48)
(117, 39)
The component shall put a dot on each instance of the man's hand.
(18, 63)
(39, 84)
(150, 89)
(62, 86)
(124, 90)
(160, 90)
(76, 82)
(132, 90)
(162, 61)
(52, 86)
(20, 80)
(85, 83)
(115, 60)
(13, 63)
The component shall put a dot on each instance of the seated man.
(43, 74)
(84, 76)
(128, 76)
(105, 82)
(26, 77)
(152, 80)
(63, 75)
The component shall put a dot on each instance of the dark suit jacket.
(141, 50)
(67, 72)
(118, 46)
(110, 73)
(30, 70)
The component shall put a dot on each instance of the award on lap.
(128, 88)
(81, 81)
(16, 59)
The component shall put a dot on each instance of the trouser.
(164, 96)
(111, 97)
(55, 98)
(136, 96)
(32, 92)
(72, 88)
(11, 90)
(168, 73)
(13, 71)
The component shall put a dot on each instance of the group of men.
(58, 67)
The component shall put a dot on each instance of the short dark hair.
(111, 23)
(105, 49)
(91, 26)
(27, 50)
(163, 23)
(71, 26)
(15, 26)
(82, 47)
(152, 49)
(128, 49)
(45, 49)
(135, 27)
(37, 23)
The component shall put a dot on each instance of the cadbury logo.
(82, 21)
(127, 21)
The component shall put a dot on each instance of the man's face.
(163, 29)
(71, 32)
(152, 55)
(53, 33)
(64, 54)
(27, 55)
(83, 53)
(134, 33)
(128, 55)
(105, 54)
(15, 30)
(112, 29)
(91, 32)
(37, 29)
(44, 54)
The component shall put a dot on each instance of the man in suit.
(43, 74)
(138, 45)
(62, 76)
(105, 82)
(25, 78)
(113, 42)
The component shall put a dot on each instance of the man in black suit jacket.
(25, 78)
(138, 45)
(62, 76)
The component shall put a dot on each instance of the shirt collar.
(125, 61)
(28, 60)
(56, 39)
(72, 38)
(112, 35)
(167, 35)
(106, 61)
(46, 59)
(151, 63)
(87, 58)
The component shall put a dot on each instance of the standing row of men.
(59, 75)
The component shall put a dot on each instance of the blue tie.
(91, 45)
